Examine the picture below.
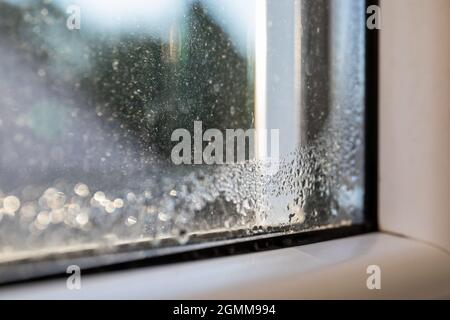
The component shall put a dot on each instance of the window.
(167, 124)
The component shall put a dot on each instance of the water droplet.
(82, 218)
(118, 203)
(99, 196)
(182, 237)
(173, 193)
(11, 204)
(81, 190)
(297, 215)
(115, 65)
(131, 220)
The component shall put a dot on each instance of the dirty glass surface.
(91, 92)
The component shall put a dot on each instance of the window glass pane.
(92, 94)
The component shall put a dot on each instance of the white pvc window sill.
(331, 269)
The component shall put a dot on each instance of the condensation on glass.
(86, 118)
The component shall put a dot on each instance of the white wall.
(415, 120)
